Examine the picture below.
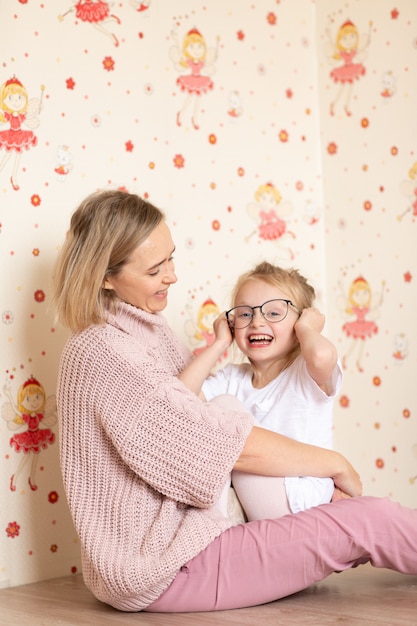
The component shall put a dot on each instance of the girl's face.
(144, 281)
(262, 341)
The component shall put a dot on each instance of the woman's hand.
(270, 454)
(347, 480)
(339, 495)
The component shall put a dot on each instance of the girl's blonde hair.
(288, 280)
(104, 231)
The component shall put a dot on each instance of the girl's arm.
(194, 374)
(319, 353)
(270, 454)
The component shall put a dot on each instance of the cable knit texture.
(143, 459)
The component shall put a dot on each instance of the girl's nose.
(258, 318)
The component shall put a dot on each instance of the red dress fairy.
(90, 11)
(15, 138)
(360, 328)
(34, 438)
(271, 227)
(350, 71)
(194, 82)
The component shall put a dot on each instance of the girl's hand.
(312, 318)
(222, 330)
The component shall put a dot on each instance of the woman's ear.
(107, 285)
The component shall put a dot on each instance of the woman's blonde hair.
(104, 231)
(289, 280)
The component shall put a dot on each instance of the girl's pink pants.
(265, 560)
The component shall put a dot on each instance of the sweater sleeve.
(182, 447)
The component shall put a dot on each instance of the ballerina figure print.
(351, 48)
(364, 306)
(201, 333)
(95, 12)
(17, 110)
(195, 57)
(409, 189)
(32, 408)
(269, 211)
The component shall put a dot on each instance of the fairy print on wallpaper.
(198, 61)
(409, 190)
(389, 85)
(347, 52)
(63, 165)
(17, 110)
(94, 12)
(26, 415)
(269, 211)
(200, 331)
(235, 108)
(400, 352)
(139, 5)
(362, 307)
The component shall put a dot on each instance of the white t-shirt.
(292, 404)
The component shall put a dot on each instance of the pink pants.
(265, 560)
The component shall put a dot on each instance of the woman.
(144, 459)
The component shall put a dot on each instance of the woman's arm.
(270, 454)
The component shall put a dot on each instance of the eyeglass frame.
(259, 306)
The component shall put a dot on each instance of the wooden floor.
(364, 596)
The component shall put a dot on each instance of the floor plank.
(361, 597)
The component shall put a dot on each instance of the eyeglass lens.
(272, 311)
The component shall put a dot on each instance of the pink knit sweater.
(143, 459)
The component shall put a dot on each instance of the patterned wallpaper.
(277, 129)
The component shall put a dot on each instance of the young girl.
(288, 385)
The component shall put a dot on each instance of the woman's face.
(146, 277)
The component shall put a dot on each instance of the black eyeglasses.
(272, 311)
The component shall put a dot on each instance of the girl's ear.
(108, 285)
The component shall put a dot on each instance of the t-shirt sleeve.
(216, 384)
